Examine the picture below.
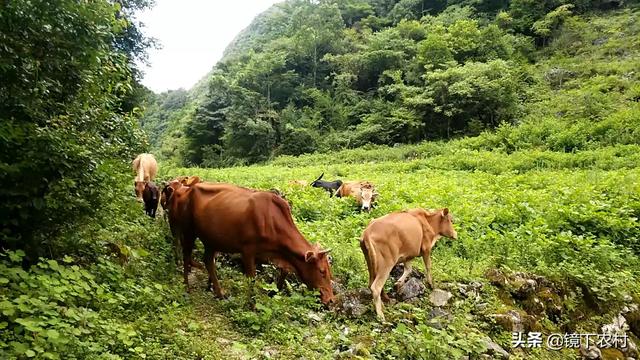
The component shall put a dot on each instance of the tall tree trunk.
(315, 61)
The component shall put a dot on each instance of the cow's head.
(367, 196)
(190, 180)
(316, 182)
(446, 224)
(139, 186)
(167, 192)
(151, 189)
(318, 273)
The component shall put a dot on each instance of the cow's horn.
(324, 251)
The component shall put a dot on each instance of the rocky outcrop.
(439, 297)
(412, 288)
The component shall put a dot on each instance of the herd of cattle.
(259, 226)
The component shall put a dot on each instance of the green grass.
(569, 217)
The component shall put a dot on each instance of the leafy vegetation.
(68, 102)
(545, 184)
(310, 77)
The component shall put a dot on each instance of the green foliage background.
(311, 77)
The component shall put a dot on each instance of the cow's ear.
(445, 211)
(309, 256)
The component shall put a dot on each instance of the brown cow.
(256, 224)
(363, 191)
(398, 238)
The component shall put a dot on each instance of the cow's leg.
(371, 270)
(249, 263)
(405, 275)
(377, 288)
(210, 263)
(282, 277)
(177, 250)
(187, 249)
(426, 256)
(249, 267)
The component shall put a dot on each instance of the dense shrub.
(66, 107)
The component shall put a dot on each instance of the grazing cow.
(363, 191)
(150, 196)
(256, 224)
(330, 186)
(397, 238)
(146, 168)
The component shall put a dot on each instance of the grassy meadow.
(566, 217)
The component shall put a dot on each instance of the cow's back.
(397, 235)
(230, 218)
(348, 188)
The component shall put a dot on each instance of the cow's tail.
(369, 251)
(339, 189)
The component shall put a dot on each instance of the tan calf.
(146, 168)
(398, 238)
(363, 191)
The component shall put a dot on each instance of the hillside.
(383, 74)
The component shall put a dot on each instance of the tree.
(66, 70)
(483, 92)
(548, 26)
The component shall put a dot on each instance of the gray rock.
(337, 287)
(476, 285)
(436, 324)
(495, 349)
(523, 286)
(482, 306)
(438, 318)
(354, 303)
(437, 312)
(439, 297)
(617, 326)
(470, 291)
(631, 349)
(599, 41)
(411, 289)
(315, 317)
(269, 353)
(510, 321)
(592, 352)
(354, 308)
